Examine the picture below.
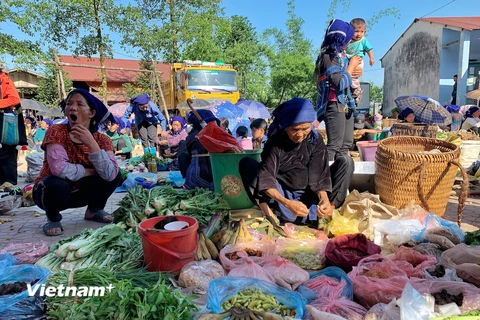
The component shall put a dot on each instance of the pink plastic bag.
(340, 306)
(248, 268)
(303, 232)
(326, 287)
(27, 253)
(413, 262)
(264, 247)
(285, 273)
(377, 279)
(466, 260)
(471, 293)
(215, 139)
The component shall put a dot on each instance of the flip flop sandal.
(98, 217)
(52, 225)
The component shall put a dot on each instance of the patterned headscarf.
(338, 34)
(102, 114)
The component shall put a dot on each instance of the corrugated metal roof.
(90, 74)
(467, 23)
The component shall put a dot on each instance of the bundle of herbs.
(107, 247)
(140, 204)
(136, 294)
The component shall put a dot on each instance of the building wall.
(449, 64)
(412, 66)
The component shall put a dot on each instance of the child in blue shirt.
(359, 46)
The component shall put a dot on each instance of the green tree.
(24, 52)
(291, 60)
(144, 82)
(80, 26)
(376, 93)
(172, 30)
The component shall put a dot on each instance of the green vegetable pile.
(146, 158)
(140, 204)
(107, 247)
(472, 238)
(137, 294)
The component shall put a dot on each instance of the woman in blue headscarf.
(173, 137)
(40, 133)
(79, 167)
(122, 144)
(193, 158)
(407, 115)
(333, 75)
(294, 176)
(472, 121)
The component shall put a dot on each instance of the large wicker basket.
(404, 172)
(414, 129)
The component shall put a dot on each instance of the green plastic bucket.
(227, 180)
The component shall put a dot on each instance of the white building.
(426, 57)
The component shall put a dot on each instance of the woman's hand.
(84, 135)
(297, 208)
(123, 131)
(164, 134)
(324, 209)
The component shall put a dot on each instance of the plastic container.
(470, 149)
(227, 180)
(162, 167)
(168, 251)
(367, 150)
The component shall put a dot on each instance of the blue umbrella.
(254, 109)
(426, 109)
(228, 110)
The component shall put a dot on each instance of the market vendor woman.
(294, 176)
(79, 168)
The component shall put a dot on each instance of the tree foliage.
(376, 93)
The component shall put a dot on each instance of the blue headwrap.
(102, 114)
(141, 99)
(183, 124)
(206, 115)
(48, 121)
(293, 111)
(121, 124)
(453, 108)
(338, 34)
(471, 111)
(402, 115)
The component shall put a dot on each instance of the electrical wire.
(438, 9)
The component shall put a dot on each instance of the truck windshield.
(212, 80)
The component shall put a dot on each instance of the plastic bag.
(390, 234)
(285, 273)
(382, 311)
(432, 221)
(341, 225)
(347, 250)
(26, 253)
(413, 211)
(340, 306)
(339, 274)
(248, 268)
(215, 139)
(34, 165)
(303, 232)
(326, 287)
(196, 275)
(471, 293)
(20, 273)
(307, 254)
(9, 203)
(321, 315)
(413, 262)
(439, 272)
(413, 305)
(377, 279)
(145, 179)
(466, 260)
(429, 248)
(176, 179)
(221, 289)
(31, 308)
(7, 260)
(264, 247)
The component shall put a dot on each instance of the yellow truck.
(200, 80)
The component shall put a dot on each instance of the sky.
(264, 14)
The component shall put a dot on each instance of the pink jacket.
(245, 143)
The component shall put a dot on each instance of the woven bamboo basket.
(388, 122)
(415, 130)
(405, 173)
